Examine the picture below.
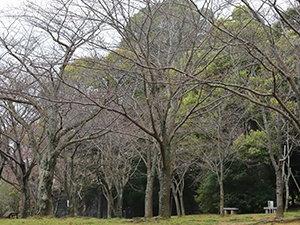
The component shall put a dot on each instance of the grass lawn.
(290, 218)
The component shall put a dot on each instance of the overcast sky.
(5, 3)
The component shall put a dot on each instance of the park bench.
(270, 208)
(229, 210)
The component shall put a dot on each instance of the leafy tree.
(253, 147)
(207, 195)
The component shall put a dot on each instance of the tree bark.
(149, 196)
(99, 207)
(151, 168)
(181, 204)
(221, 183)
(278, 167)
(279, 193)
(176, 199)
(164, 193)
(286, 175)
(46, 174)
(181, 198)
(25, 198)
(165, 181)
(48, 162)
(72, 191)
(109, 209)
(110, 203)
(73, 208)
(221, 169)
(119, 205)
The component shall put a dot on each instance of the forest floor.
(290, 218)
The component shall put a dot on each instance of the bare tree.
(38, 45)
(18, 158)
(213, 138)
(185, 158)
(113, 163)
(276, 131)
(264, 37)
(67, 176)
(150, 93)
(151, 163)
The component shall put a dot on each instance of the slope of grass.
(242, 219)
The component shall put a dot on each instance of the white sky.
(10, 3)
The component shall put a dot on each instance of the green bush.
(246, 187)
(10, 198)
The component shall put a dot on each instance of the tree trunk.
(175, 196)
(278, 168)
(25, 198)
(73, 210)
(109, 210)
(286, 175)
(220, 174)
(287, 195)
(110, 202)
(164, 194)
(165, 181)
(99, 207)
(149, 196)
(151, 168)
(46, 174)
(72, 201)
(180, 191)
(181, 203)
(47, 165)
(119, 205)
(25, 191)
(222, 194)
(279, 193)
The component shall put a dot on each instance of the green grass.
(240, 219)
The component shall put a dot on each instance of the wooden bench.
(228, 210)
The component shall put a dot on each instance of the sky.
(4, 3)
